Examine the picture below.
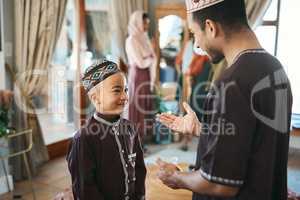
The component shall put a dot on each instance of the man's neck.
(238, 43)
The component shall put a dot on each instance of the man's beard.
(215, 55)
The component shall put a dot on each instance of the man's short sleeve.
(227, 136)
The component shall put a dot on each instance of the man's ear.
(211, 28)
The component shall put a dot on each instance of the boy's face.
(110, 96)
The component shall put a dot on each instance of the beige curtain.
(120, 13)
(37, 28)
(256, 10)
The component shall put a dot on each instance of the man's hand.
(168, 174)
(174, 178)
(187, 124)
(168, 167)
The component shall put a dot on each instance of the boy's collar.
(111, 121)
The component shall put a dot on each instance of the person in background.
(195, 70)
(198, 75)
(142, 72)
(200, 72)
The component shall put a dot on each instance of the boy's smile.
(110, 96)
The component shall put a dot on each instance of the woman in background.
(142, 70)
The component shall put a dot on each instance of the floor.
(294, 171)
(54, 177)
(295, 142)
(296, 120)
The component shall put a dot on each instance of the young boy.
(105, 158)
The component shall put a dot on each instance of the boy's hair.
(231, 15)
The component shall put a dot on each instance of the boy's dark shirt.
(98, 160)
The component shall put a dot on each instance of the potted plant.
(5, 101)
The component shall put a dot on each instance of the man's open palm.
(187, 124)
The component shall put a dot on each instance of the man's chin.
(217, 60)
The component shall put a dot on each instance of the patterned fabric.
(195, 5)
(98, 72)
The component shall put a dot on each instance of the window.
(97, 28)
(64, 46)
(288, 46)
(268, 32)
(279, 34)
(58, 123)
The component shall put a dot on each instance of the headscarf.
(139, 49)
(139, 39)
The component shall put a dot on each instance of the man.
(244, 131)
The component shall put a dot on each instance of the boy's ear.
(94, 99)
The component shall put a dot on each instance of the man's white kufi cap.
(195, 5)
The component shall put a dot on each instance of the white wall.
(289, 42)
(2, 71)
(2, 67)
(7, 37)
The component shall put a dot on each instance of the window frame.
(274, 23)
